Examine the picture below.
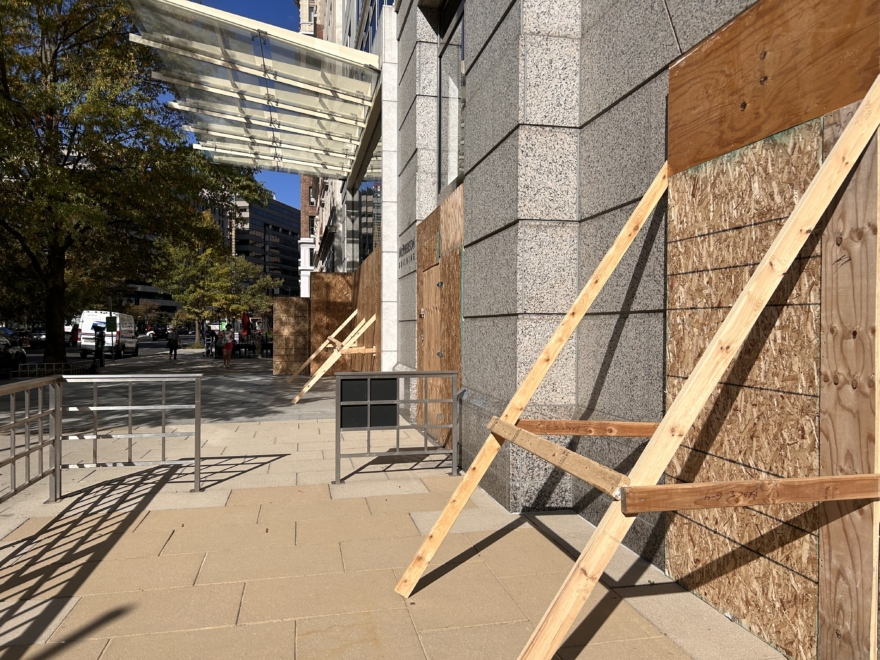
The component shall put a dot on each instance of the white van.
(123, 341)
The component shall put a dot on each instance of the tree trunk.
(198, 332)
(56, 291)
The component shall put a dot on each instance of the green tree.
(93, 165)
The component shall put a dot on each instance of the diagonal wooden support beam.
(532, 381)
(756, 492)
(588, 427)
(589, 471)
(337, 353)
(724, 346)
(324, 345)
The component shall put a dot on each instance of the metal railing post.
(95, 423)
(12, 442)
(55, 449)
(130, 384)
(27, 436)
(163, 420)
(198, 437)
(338, 432)
(40, 428)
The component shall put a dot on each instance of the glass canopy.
(259, 95)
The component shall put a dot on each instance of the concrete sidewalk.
(273, 561)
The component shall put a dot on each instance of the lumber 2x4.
(589, 471)
(550, 632)
(337, 353)
(588, 427)
(323, 345)
(756, 492)
(532, 381)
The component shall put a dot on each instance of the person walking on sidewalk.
(228, 343)
(173, 343)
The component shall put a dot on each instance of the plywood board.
(762, 421)
(848, 537)
(331, 300)
(291, 334)
(368, 301)
(778, 64)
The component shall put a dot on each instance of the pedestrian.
(173, 343)
(229, 342)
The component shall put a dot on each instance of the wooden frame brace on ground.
(323, 345)
(348, 344)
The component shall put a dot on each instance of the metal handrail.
(48, 421)
(42, 416)
(130, 380)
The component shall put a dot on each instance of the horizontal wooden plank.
(588, 427)
(758, 492)
(779, 64)
(593, 473)
(358, 350)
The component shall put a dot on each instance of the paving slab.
(459, 595)
(652, 648)
(495, 640)
(266, 641)
(278, 495)
(204, 517)
(368, 527)
(471, 520)
(409, 503)
(143, 612)
(383, 635)
(88, 649)
(319, 595)
(247, 564)
(228, 537)
(25, 622)
(520, 551)
(371, 554)
(283, 514)
(376, 488)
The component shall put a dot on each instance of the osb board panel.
(450, 311)
(368, 301)
(775, 603)
(781, 352)
(778, 64)
(290, 334)
(331, 299)
(763, 419)
(738, 524)
(847, 421)
(721, 288)
(736, 422)
(754, 184)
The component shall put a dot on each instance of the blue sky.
(283, 13)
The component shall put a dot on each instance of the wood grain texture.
(757, 492)
(332, 300)
(532, 381)
(290, 318)
(588, 427)
(721, 351)
(848, 536)
(778, 64)
(367, 292)
(589, 471)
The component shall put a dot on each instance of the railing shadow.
(56, 561)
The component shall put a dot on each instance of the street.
(146, 347)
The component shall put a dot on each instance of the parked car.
(120, 342)
(37, 338)
(12, 356)
(158, 332)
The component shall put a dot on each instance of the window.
(452, 103)
(311, 196)
(311, 225)
(312, 256)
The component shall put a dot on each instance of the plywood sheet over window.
(760, 565)
(438, 249)
(368, 301)
(331, 300)
(290, 317)
(780, 63)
